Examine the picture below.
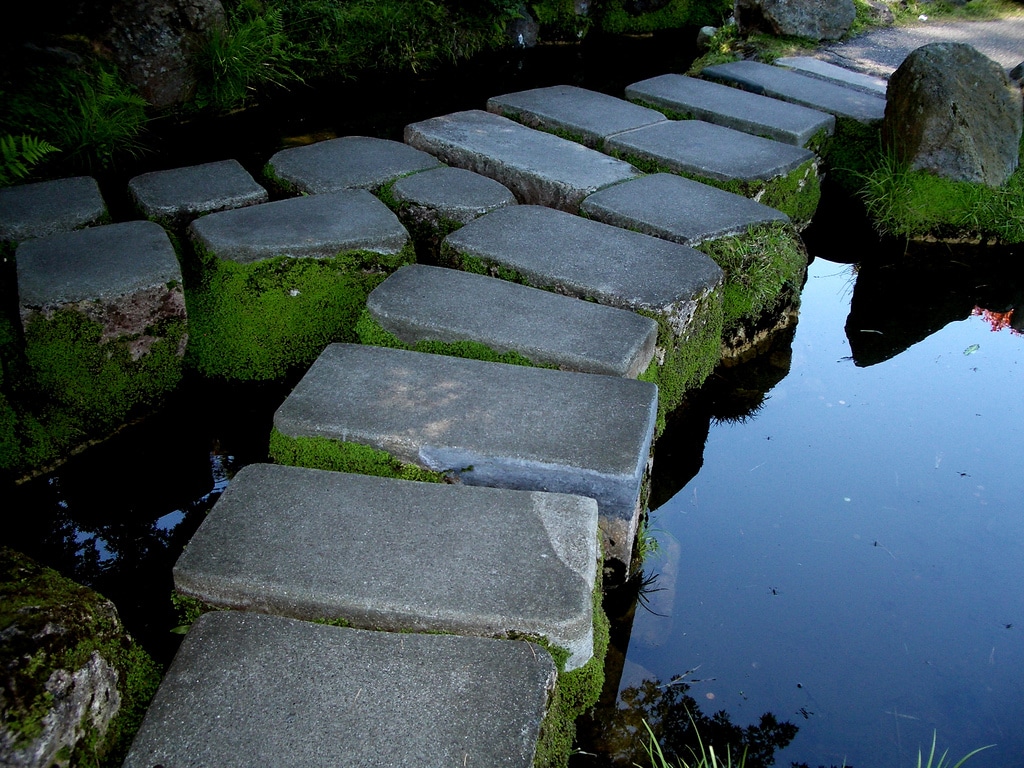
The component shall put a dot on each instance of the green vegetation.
(261, 321)
(761, 267)
(908, 203)
(51, 623)
(343, 456)
(19, 155)
(613, 17)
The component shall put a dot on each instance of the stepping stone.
(49, 207)
(433, 203)
(780, 83)
(677, 209)
(316, 226)
(808, 65)
(421, 303)
(694, 147)
(104, 318)
(280, 280)
(488, 562)
(675, 285)
(538, 167)
(685, 97)
(247, 689)
(585, 116)
(344, 163)
(175, 196)
(503, 426)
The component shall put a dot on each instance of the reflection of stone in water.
(657, 603)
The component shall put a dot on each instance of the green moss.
(559, 20)
(615, 19)
(917, 204)
(759, 268)
(455, 259)
(66, 387)
(263, 320)
(50, 623)
(575, 692)
(853, 151)
(343, 456)
(371, 332)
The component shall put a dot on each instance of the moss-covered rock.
(262, 320)
(75, 684)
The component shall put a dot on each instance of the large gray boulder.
(954, 112)
(817, 19)
(155, 41)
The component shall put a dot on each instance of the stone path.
(540, 463)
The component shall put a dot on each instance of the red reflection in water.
(998, 320)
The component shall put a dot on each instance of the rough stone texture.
(733, 108)
(539, 168)
(124, 276)
(709, 151)
(154, 42)
(587, 259)
(347, 162)
(816, 19)
(808, 65)
(49, 207)
(880, 13)
(781, 83)
(317, 226)
(586, 116)
(484, 562)
(503, 426)
(177, 195)
(454, 194)
(58, 647)
(247, 689)
(677, 209)
(955, 113)
(422, 303)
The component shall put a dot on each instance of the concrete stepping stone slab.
(280, 280)
(433, 203)
(422, 303)
(538, 167)
(316, 226)
(489, 424)
(105, 325)
(588, 117)
(675, 285)
(808, 65)
(248, 689)
(175, 196)
(781, 83)
(688, 98)
(398, 555)
(49, 207)
(678, 209)
(347, 162)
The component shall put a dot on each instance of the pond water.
(841, 521)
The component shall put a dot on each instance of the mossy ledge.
(344, 456)
(262, 321)
(50, 623)
(373, 333)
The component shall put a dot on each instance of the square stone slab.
(179, 194)
(49, 207)
(710, 151)
(808, 65)
(252, 690)
(585, 116)
(317, 226)
(489, 562)
(452, 194)
(785, 84)
(539, 168)
(503, 426)
(677, 209)
(347, 162)
(734, 108)
(423, 303)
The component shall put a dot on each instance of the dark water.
(841, 522)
